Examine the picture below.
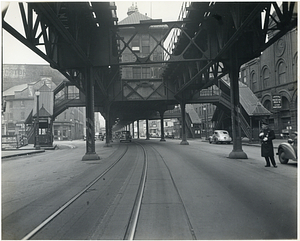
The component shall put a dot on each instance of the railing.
(13, 141)
(210, 92)
(64, 97)
(245, 127)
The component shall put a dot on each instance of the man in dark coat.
(267, 150)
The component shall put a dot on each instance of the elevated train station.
(133, 69)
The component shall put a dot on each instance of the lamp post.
(205, 120)
(37, 141)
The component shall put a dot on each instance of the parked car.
(125, 136)
(288, 150)
(220, 136)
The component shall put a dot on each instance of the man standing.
(267, 150)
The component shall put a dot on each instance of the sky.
(15, 52)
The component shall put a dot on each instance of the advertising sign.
(276, 101)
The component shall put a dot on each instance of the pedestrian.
(267, 150)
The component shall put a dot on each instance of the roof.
(251, 103)
(43, 112)
(12, 90)
(134, 18)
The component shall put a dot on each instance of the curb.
(22, 154)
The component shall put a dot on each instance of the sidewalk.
(25, 150)
(29, 149)
(245, 141)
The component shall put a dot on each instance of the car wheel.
(281, 157)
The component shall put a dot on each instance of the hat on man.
(264, 122)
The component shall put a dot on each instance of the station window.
(146, 73)
(136, 72)
(135, 44)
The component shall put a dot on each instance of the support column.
(162, 131)
(90, 118)
(147, 130)
(132, 130)
(184, 139)
(107, 127)
(237, 152)
(138, 128)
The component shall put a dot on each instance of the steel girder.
(219, 27)
(72, 37)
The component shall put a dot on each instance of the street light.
(37, 141)
(205, 121)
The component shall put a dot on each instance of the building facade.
(273, 79)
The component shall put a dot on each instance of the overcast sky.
(15, 52)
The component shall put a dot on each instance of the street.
(191, 192)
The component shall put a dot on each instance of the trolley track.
(124, 209)
(74, 198)
(163, 214)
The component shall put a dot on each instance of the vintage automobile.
(125, 136)
(288, 150)
(220, 136)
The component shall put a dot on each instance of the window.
(11, 104)
(266, 78)
(146, 73)
(145, 43)
(145, 49)
(135, 44)
(281, 73)
(267, 105)
(254, 81)
(136, 72)
(22, 103)
(22, 115)
(244, 77)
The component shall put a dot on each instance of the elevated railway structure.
(209, 40)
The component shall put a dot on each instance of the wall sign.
(276, 101)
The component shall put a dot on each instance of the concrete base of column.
(237, 154)
(184, 143)
(162, 139)
(90, 156)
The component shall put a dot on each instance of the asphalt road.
(191, 191)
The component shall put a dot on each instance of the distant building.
(20, 82)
